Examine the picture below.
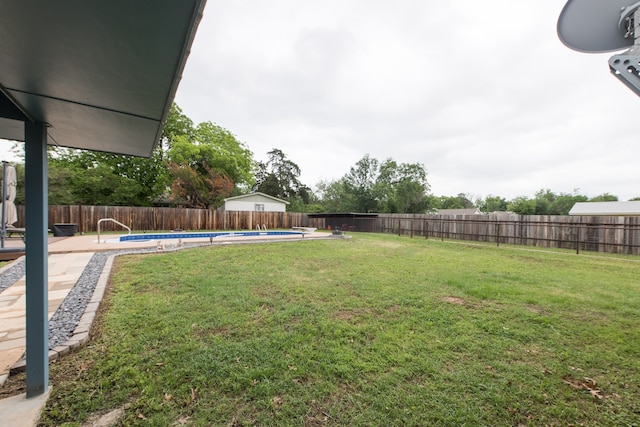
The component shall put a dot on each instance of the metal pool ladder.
(100, 221)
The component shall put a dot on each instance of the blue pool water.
(200, 235)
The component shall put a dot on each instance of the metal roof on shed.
(256, 196)
(606, 208)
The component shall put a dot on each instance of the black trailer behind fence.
(367, 222)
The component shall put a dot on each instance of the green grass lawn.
(376, 330)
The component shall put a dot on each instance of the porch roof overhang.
(96, 75)
(101, 75)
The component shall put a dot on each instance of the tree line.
(544, 202)
(198, 166)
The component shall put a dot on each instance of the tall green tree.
(176, 125)
(461, 201)
(564, 202)
(544, 198)
(335, 197)
(280, 177)
(604, 197)
(372, 186)
(522, 205)
(493, 203)
(194, 189)
(546, 202)
(211, 152)
(96, 178)
(360, 181)
(206, 160)
(402, 188)
(211, 155)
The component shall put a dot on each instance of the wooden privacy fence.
(611, 234)
(153, 218)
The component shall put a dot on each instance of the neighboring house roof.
(472, 211)
(252, 195)
(606, 208)
(502, 213)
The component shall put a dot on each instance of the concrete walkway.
(18, 411)
(64, 271)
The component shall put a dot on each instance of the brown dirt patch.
(14, 385)
(266, 291)
(289, 324)
(454, 300)
(535, 309)
(203, 332)
(107, 419)
(348, 315)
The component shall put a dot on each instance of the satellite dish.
(593, 25)
(604, 26)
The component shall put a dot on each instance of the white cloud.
(484, 94)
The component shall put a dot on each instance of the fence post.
(411, 221)
(425, 229)
(498, 234)
(578, 238)
(442, 229)
(80, 219)
(399, 229)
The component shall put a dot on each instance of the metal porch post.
(36, 221)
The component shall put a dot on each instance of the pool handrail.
(112, 220)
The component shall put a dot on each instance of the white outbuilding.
(631, 208)
(255, 202)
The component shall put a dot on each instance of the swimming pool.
(203, 235)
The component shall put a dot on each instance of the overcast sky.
(483, 94)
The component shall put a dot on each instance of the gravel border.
(12, 273)
(66, 317)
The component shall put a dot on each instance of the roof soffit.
(102, 75)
